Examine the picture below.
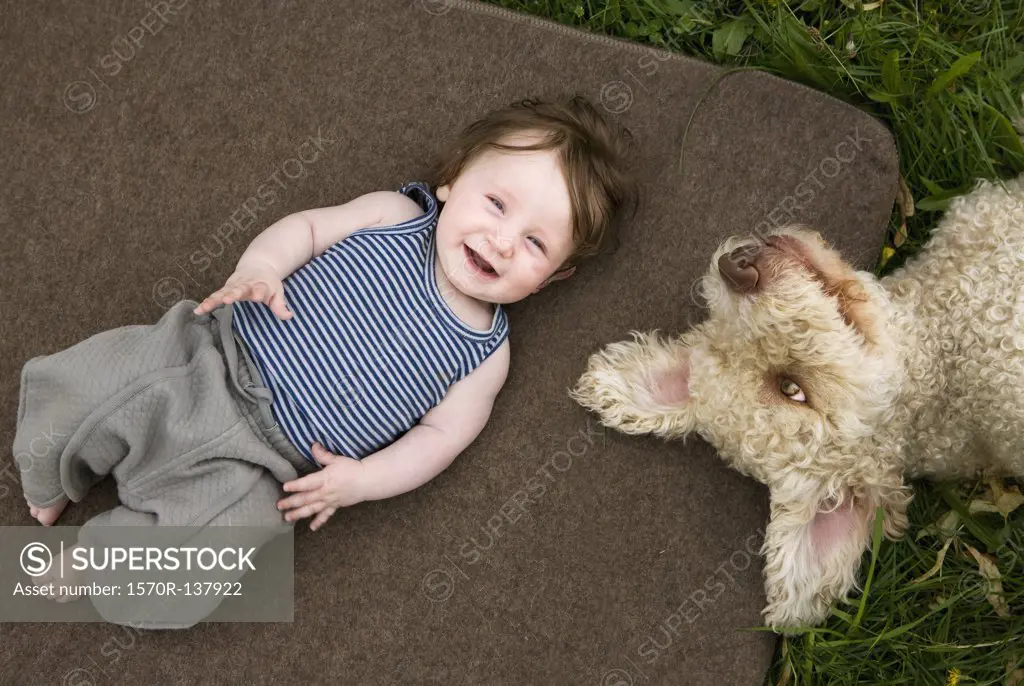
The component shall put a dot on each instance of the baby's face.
(506, 225)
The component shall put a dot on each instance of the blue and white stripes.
(372, 346)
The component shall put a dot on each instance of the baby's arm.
(293, 241)
(444, 432)
(296, 239)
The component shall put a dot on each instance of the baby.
(353, 353)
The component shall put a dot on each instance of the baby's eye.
(497, 203)
(537, 242)
(792, 390)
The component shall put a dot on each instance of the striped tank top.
(372, 345)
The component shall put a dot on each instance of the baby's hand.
(260, 284)
(338, 484)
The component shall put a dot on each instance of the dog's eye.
(791, 390)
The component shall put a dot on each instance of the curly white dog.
(831, 386)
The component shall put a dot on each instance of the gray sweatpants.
(175, 411)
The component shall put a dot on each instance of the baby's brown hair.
(591, 152)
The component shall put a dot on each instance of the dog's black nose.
(737, 268)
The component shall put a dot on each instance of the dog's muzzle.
(738, 270)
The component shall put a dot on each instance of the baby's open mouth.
(476, 259)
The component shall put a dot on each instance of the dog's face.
(794, 363)
(792, 370)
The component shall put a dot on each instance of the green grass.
(919, 633)
(947, 79)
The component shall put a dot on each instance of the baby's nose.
(738, 270)
(502, 245)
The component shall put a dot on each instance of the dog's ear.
(813, 548)
(640, 386)
(812, 552)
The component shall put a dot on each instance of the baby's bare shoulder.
(490, 375)
(495, 367)
(398, 207)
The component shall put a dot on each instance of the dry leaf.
(946, 527)
(901, 234)
(982, 505)
(1007, 500)
(994, 592)
(905, 201)
(998, 499)
(938, 564)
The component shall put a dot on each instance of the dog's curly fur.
(831, 386)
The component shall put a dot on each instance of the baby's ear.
(640, 386)
(557, 276)
(563, 274)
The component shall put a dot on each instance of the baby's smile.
(479, 266)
